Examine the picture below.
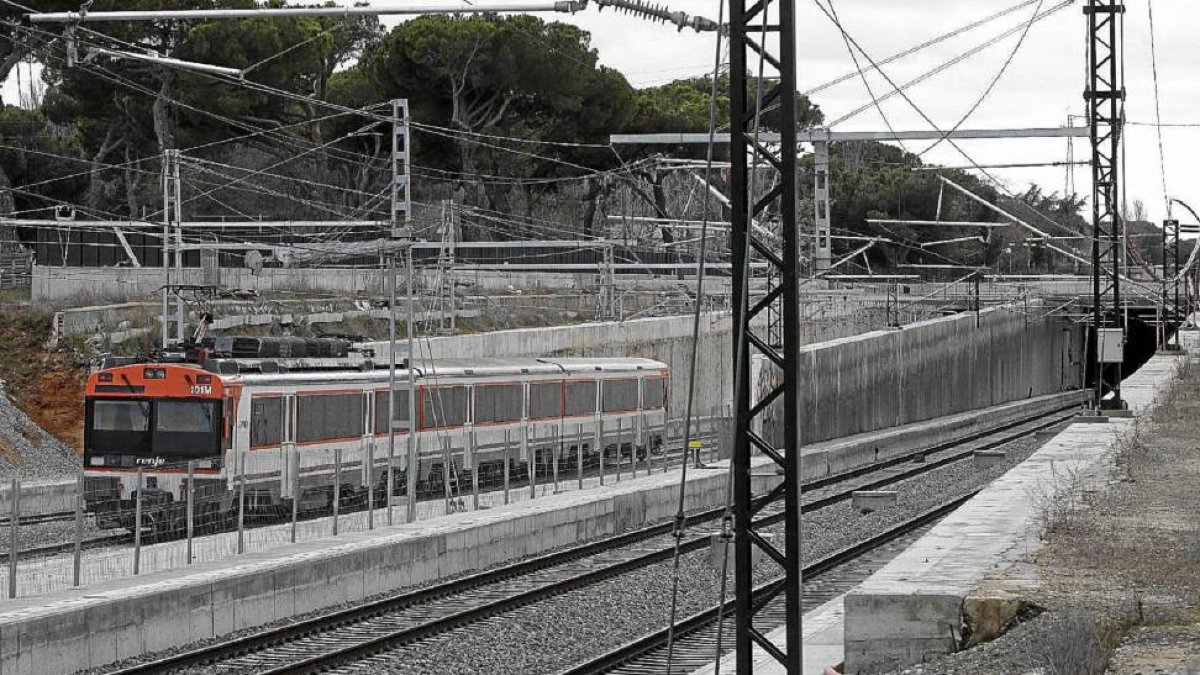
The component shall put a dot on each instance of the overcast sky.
(1040, 88)
(1043, 84)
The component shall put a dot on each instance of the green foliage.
(516, 77)
(32, 150)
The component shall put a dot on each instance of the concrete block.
(55, 644)
(762, 483)
(985, 459)
(283, 583)
(888, 632)
(129, 628)
(866, 501)
(719, 547)
(102, 644)
(22, 662)
(167, 620)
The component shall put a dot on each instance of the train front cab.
(157, 418)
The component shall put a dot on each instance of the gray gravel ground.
(49, 534)
(561, 632)
(28, 452)
(573, 628)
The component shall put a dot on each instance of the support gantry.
(765, 31)
(1105, 96)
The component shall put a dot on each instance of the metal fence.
(205, 520)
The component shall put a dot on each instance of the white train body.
(283, 433)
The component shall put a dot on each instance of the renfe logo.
(201, 389)
(151, 461)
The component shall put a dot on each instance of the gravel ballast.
(570, 629)
(28, 452)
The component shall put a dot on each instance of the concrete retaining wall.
(931, 369)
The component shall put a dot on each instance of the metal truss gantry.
(1105, 96)
(750, 21)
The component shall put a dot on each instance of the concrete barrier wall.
(930, 369)
(40, 498)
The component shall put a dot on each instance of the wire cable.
(1158, 125)
(693, 363)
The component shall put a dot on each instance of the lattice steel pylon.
(749, 20)
(1105, 96)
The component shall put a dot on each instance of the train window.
(444, 407)
(381, 403)
(498, 403)
(619, 395)
(654, 393)
(121, 415)
(266, 421)
(545, 400)
(581, 398)
(185, 417)
(328, 417)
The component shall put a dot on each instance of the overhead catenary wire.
(1158, 125)
(901, 91)
(920, 47)
(898, 90)
(994, 81)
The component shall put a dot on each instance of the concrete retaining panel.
(930, 369)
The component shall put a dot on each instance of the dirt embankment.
(47, 384)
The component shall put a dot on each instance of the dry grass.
(1129, 558)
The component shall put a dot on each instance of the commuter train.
(264, 421)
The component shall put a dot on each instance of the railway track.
(39, 518)
(68, 547)
(696, 636)
(352, 635)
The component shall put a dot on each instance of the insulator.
(656, 12)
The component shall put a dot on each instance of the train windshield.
(178, 429)
(121, 416)
(191, 417)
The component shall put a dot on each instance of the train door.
(639, 420)
(289, 474)
(366, 448)
(468, 432)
